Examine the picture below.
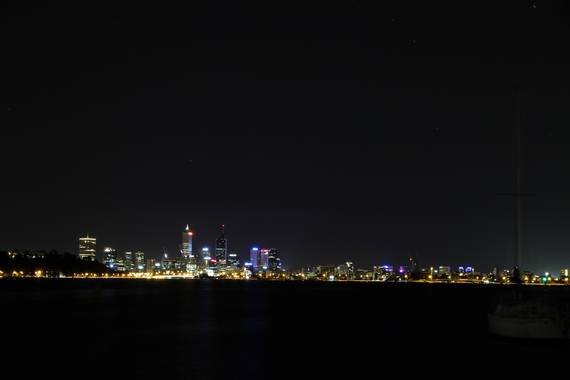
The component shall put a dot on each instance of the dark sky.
(332, 130)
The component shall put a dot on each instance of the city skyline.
(260, 257)
(254, 189)
(375, 131)
(244, 252)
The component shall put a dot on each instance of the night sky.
(333, 131)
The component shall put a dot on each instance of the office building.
(273, 260)
(128, 261)
(187, 236)
(110, 257)
(221, 248)
(264, 258)
(87, 247)
(139, 264)
(233, 260)
(150, 265)
(206, 256)
(254, 258)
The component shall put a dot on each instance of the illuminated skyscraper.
(129, 263)
(187, 243)
(139, 261)
(222, 248)
(150, 265)
(264, 258)
(259, 258)
(350, 268)
(206, 256)
(233, 260)
(87, 248)
(273, 259)
(254, 258)
(110, 257)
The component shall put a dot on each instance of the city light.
(262, 264)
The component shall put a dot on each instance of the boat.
(529, 319)
(526, 316)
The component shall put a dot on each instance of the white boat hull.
(527, 328)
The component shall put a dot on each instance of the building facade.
(233, 260)
(187, 236)
(254, 257)
(264, 258)
(221, 248)
(128, 261)
(139, 264)
(273, 260)
(87, 248)
(110, 257)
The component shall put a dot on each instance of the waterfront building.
(119, 264)
(350, 267)
(129, 262)
(325, 271)
(150, 265)
(264, 258)
(254, 257)
(386, 269)
(172, 264)
(87, 247)
(206, 256)
(233, 260)
(187, 236)
(139, 263)
(110, 257)
(221, 248)
(273, 260)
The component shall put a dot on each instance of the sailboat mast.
(517, 182)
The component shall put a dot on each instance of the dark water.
(258, 330)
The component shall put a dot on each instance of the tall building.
(110, 257)
(260, 258)
(87, 247)
(264, 258)
(350, 268)
(255, 258)
(187, 243)
(233, 260)
(206, 257)
(151, 265)
(119, 265)
(273, 260)
(129, 263)
(222, 248)
(139, 261)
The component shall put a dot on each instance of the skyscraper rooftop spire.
(187, 227)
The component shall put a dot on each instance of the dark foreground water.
(258, 330)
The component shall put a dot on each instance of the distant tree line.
(52, 263)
